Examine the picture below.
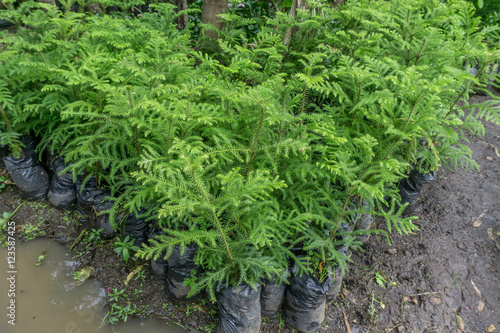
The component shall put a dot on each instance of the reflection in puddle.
(48, 299)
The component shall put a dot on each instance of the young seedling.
(125, 247)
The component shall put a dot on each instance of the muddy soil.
(443, 278)
(36, 219)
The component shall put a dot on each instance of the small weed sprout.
(141, 275)
(125, 247)
(2, 182)
(94, 235)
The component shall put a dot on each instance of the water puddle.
(47, 298)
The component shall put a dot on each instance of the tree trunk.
(183, 20)
(296, 4)
(210, 10)
(94, 8)
(338, 3)
(50, 2)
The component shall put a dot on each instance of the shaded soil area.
(443, 278)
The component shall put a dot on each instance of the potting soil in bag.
(410, 188)
(179, 269)
(29, 175)
(136, 228)
(62, 191)
(305, 301)
(158, 266)
(272, 296)
(239, 309)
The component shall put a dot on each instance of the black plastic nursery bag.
(240, 310)
(103, 221)
(158, 266)
(90, 194)
(337, 277)
(305, 301)
(272, 296)
(29, 175)
(410, 188)
(62, 191)
(136, 228)
(362, 221)
(179, 269)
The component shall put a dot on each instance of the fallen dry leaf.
(131, 275)
(489, 158)
(391, 251)
(436, 300)
(496, 150)
(408, 299)
(490, 234)
(478, 292)
(480, 306)
(477, 224)
(490, 328)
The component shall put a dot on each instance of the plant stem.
(303, 103)
(168, 138)
(255, 140)
(136, 127)
(6, 119)
(216, 219)
(280, 135)
(187, 121)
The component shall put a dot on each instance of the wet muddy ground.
(443, 278)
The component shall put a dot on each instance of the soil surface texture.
(443, 278)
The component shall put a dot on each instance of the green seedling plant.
(5, 219)
(3, 179)
(6, 216)
(380, 280)
(94, 236)
(125, 248)
(141, 275)
(118, 311)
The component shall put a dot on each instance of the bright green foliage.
(254, 152)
